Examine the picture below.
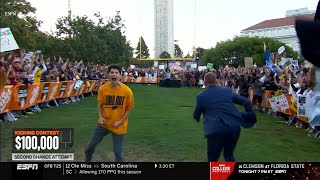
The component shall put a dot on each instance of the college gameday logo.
(221, 170)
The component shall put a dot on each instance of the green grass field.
(161, 130)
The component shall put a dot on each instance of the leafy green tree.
(201, 51)
(77, 38)
(144, 54)
(103, 42)
(232, 52)
(20, 18)
(188, 55)
(177, 51)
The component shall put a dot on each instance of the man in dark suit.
(222, 120)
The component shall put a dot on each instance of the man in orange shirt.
(115, 101)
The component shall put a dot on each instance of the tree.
(144, 54)
(103, 42)
(141, 63)
(188, 55)
(201, 51)
(164, 55)
(177, 51)
(232, 52)
(19, 17)
(199, 55)
(77, 38)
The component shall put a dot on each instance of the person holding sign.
(115, 102)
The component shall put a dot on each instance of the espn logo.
(27, 166)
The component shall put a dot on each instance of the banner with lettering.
(44, 89)
(97, 85)
(32, 95)
(5, 99)
(19, 98)
(69, 92)
(63, 87)
(92, 85)
(54, 89)
(7, 41)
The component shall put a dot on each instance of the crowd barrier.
(291, 111)
(21, 97)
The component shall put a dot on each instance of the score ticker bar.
(205, 171)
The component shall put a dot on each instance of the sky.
(200, 23)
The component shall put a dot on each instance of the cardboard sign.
(161, 66)
(285, 62)
(202, 68)
(279, 103)
(302, 102)
(155, 64)
(7, 41)
(248, 62)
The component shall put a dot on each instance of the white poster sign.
(161, 66)
(285, 61)
(248, 62)
(302, 104)
(279, 103)
(193, 66)
(155, 64)
(202, 68)
(7, 41)
(284, 105)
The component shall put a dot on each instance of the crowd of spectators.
(25, 68)
(18, 67)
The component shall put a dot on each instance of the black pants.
(196, 83)
(227, 141)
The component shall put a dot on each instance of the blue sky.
(215, 20)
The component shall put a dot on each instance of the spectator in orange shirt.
(115, 101)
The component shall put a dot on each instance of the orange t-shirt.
(115, 102)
